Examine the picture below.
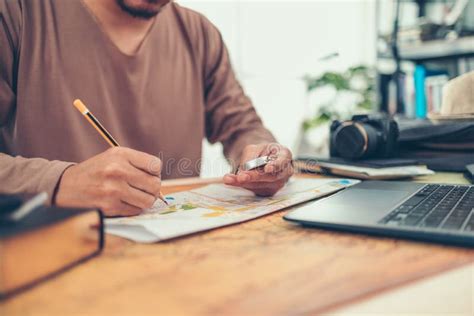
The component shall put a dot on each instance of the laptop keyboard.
(436, 206)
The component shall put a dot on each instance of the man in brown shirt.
(157, 75)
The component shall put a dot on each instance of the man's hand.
(265, 181)
(120, 181)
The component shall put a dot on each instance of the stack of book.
(428, 91)
(422, 92)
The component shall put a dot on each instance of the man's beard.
(149, 10)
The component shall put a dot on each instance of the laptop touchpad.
(369, 198)
(353, 206)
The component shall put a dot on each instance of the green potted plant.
(334, 95)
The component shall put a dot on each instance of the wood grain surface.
(263, 267)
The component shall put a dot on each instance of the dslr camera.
(364, 137)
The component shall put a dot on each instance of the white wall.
(274, 43)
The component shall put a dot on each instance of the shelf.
(437, 49)
(427, 1)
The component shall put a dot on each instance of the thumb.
(251, 152)
(272, 149)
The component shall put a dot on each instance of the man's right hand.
(121, 181)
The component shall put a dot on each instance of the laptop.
(431, 212)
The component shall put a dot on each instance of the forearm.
(30, 175)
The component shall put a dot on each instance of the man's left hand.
(267, 180)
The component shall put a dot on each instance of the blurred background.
(304, 63)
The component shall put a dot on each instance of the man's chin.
(142, 9)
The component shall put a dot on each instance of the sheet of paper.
(213, 206)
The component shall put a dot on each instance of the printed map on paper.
(213, 206)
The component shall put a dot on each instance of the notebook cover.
(43, 218)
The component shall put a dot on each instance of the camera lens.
(355, 140)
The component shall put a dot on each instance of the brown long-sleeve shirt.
(178, 88)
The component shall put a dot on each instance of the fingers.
(281, 156)
(267, 180)
(259, 176)
(251, 152)
(131, 181)
(272, 149)
(283, 161)
(259, 188)
(265, 188)
(125, 201)
(230, 179)
(123, 209)
(140, 160)
(138, 198)
(144, 181)
(273, 185)
(279, 168)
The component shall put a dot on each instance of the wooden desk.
(265, 266)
